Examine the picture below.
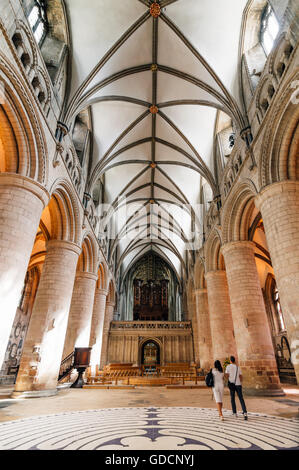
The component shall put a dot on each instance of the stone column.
(107, 320)
(204, 329)
(79, 321)
(42, 353)
(221, 323)
(193, 317)
(279, 206)
(252, 333)
(97, 324)
(22, 201)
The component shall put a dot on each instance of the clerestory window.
(38, 20)
(269, 28)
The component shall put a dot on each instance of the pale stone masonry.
(221, 323)
(279, 206)
(109, 310)
(79, 322)
(21, 203)
(252, 334)
(97, 325)
(44, 343)
(203, 325)
(58, 164)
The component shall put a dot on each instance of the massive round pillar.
(279, 206)
(204, 329)
(79, 321)
(42, 353)
(251, 327)
(97, 325)
(221, 323)
(22, 201)
(109, 310)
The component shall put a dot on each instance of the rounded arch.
(102, 282)
(213, 256)
(87, 261)
(237, 213)
(199, 274)
(65, 212)
(279, 154)
(23, 144)
(111, 291)
(9, 157)
(159, 345)
(190, 298)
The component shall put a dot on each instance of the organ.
(150, 300)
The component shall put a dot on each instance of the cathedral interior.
(149, 219)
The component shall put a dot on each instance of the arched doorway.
(150, 357)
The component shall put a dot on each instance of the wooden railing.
(66, 366)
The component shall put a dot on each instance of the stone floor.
(146, 418)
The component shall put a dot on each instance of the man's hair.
(232, 358)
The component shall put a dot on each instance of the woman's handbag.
(232, 385)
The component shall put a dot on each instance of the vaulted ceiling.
(154, 76)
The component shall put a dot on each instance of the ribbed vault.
(154, 86)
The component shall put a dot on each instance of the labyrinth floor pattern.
(149, 429)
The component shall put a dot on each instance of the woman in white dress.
(218, 388)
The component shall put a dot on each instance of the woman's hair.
(218, 366)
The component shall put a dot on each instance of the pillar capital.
(18, 181)
(275, 189)
(86, 275)
(63, 245)
(200, 291)
(215, 274)
(109, 303)
(237, 245)
(102, 291)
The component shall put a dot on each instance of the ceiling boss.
(155, 9)
(154, 109)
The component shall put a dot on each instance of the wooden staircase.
(66, 367)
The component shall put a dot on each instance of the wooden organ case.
(150, 300)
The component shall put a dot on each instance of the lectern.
(81, 362)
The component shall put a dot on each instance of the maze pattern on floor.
(149, 428)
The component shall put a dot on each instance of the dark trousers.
(238, 389)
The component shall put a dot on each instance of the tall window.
(278, 311)
(269, 28)
(38, 20)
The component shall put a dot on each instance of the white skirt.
(218, 394)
